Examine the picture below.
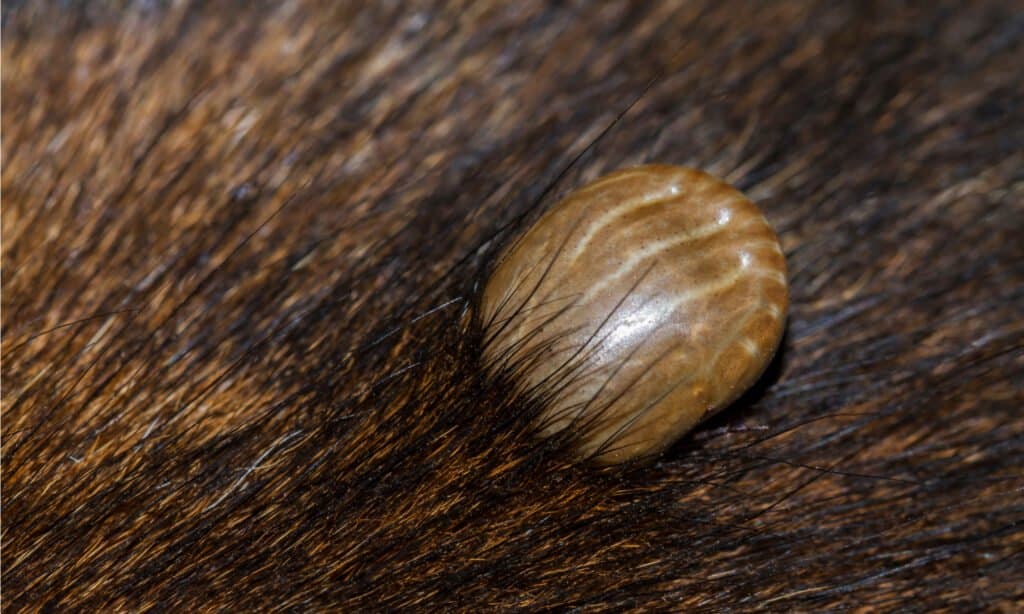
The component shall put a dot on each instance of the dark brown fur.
(241, 247)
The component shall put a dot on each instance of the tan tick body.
(646, 301)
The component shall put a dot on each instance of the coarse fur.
(242, 247)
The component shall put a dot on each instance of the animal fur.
(242, 246)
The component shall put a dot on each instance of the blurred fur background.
(242, 245)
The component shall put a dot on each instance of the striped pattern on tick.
(638, 306)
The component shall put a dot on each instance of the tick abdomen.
(638, 306)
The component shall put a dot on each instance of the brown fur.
(241, 247)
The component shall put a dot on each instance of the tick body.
(638, 306)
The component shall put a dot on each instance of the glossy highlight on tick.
(638, 306)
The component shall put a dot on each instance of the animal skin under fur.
(242, 247)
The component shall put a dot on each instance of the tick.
(638, 306)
